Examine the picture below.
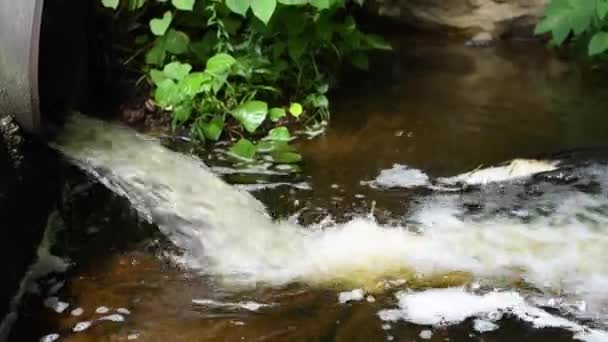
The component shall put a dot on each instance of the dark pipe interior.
(63, 59)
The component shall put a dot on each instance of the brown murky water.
(435, 105)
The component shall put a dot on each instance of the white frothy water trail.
(226, 232)
(451, 306)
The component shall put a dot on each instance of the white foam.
(50, 338)
(351, 296)
(77, 312)
(451, 306)
(227, 233)
(250, 306)
(516, 169)
(112, 318)
(102, 310)
(82, 326)
(426, 334)
(55, 304)
(123, 311)
(399, 176)
(483, 326)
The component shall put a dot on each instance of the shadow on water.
(436, 106)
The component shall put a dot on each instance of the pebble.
(370, 299)
(131, 337)
(82, 326)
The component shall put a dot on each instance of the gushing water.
(227, 233)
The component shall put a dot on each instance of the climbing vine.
(248, 70)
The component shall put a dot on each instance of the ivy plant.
(585, 20)
(247, 70)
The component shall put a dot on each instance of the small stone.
(370, 299)
(82, 326)
(131, 337)
(426, 334)
(102, 310)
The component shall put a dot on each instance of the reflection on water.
(443, 109)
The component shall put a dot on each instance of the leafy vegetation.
(248, 70)
(584, 20)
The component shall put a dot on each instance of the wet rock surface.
(28, 188)
(499, 17)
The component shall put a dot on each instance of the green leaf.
(182, 112)
(279, 134)
(157, 54)
(251, 114)
(598, 44)
(243, 149)
(320, 4)
(159, 26)
(113, 4)
(360, 61)
(293, 2)
(177, 70)
(602, 9)
(167, 93)
(317, 101)
(193, 83)
(286, 157)
(157, 76)
(263, 9)
(296, 46)
(135, 4)
(220, 63)
(213, 129)
(176, 42)
(377, 42)
(295, 109)
(184, 5)
(276, 114)
(239, 6)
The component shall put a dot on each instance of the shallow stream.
(381, 236)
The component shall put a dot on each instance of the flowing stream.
(414, 249)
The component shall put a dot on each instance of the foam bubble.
(399, 176)
(451, 306)
(351, 296)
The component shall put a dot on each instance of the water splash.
(226, 232)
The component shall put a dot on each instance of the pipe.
(43, 61)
